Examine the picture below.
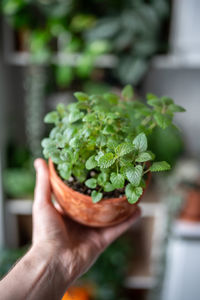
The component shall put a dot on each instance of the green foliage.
(130, 30)
(160, 166)
(106, 134)
(18, 182)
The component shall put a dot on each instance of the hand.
(74, 245)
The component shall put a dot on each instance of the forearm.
(38, 275)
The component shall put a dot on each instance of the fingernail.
(36, 164)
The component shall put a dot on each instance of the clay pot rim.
(86, 197)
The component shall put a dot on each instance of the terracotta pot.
(191, 208)
(80, 207)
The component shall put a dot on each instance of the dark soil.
(81, 188)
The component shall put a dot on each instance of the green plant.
(101, 141)
(109, 271)
(131, 30)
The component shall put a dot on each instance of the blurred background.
(51, 48)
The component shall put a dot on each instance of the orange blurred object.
(76, 293)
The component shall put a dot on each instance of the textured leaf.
(52, 117)
(91, 183)
(96, 196)
(162, 120)
(66, 155)
(176, 108)
(117, 180)
(123, 149)
(112, 143)
(65, 170)
(144, 156)
(127, 92)
(81, 96)
(108, 129)
(108, 187)
(133, 193)
(140, 142)
(91, 163)
(160, 166)
(102, 178)
(46, 142)
(75, 142)
(134, 174)
(106, 160)
(99, 155)
(75, 115)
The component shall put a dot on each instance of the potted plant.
(98, 153)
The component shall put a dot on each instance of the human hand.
(74, 247)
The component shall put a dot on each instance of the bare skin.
(61, 251)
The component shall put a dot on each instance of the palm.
(77, 243)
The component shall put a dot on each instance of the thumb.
(42, 193)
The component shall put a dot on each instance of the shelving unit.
(22, 59)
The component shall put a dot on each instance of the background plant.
(131, 30)
(101, 140)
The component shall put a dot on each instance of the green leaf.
(96, 196)
(176, 108)
(75, 115)
(91, 183)
(112, 98)
(106, 160)
(133, 193)
(117, 180)
(167, 100)
(151, 96)
(47, 142)
(154, 102)
(112, 143)
(99, 155)
(140, 142)
(81, 96)
(55, 156)
(65, 170)
(108, 187)
(91, 163)
(134, 174)
(160, 166)
(75, 142)
(144, 156)
(123, 149)
(52, 117)
(127, 92)
(162, 120)
(102, 178)
(108, 129)
(66, 155)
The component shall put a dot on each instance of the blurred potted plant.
(100, 149)
(130, 30)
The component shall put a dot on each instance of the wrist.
(51, 267)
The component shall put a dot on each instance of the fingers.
(111, 233)
(42, 189)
